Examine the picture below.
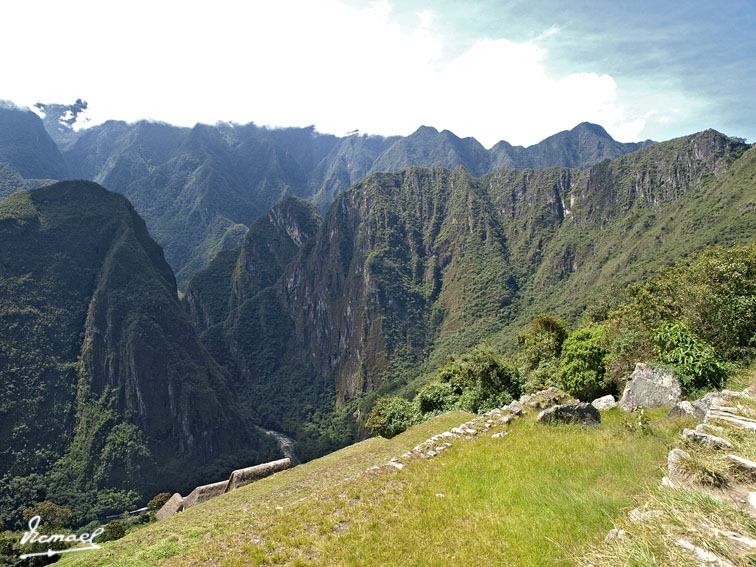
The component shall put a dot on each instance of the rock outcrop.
(604, 403)
(650, 387)
(582, 412)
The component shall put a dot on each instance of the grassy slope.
(691, 513)
(531, 498)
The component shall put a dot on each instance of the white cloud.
(293, 63)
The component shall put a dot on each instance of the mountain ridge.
(199, 188)
(410, 266)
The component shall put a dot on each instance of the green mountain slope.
(107, 394)
(408, 267)
(199, 188)
(26, 146)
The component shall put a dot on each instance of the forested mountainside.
(108, 394)
(199, 188)
(310, 315)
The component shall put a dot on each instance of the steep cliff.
(104, 381)
(410, 266)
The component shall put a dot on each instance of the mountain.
(107, 394)
(407, 267)
(586, 144)
(26, 146)
(199, 188)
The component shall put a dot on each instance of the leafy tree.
(390, 416)
(541, 341)
(691, 356)
(52, 516)
(583, 372)
(435, 397)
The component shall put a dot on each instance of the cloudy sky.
(512, 70)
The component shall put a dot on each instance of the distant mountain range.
(199, 188)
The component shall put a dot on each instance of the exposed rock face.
(174, 505)
(650, 387)
(604, 403)
(405, 262)
(582, 412)
(707, 439)
(249, 475)
(224, 177)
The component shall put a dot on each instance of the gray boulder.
(650, 387)
(687, 409)
(605, 403)
(174, 505)
(677, 461)
(582, 412)
(706, 439)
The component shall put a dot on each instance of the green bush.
(694, 359)
(157, 502)
(435, 397)
(482, 378)
(544, 376)
(390, 416)
(113, 530)
(541, 341)
(713, 294)
(583, 372)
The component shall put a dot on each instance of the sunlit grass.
(533, 497)
(708, 513)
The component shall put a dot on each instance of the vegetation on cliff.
(107, 393)
(408, 268)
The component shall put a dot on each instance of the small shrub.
(638, 422)
(157, 502)
(583, 372)
(435, 397)
(485, 371)
(113, 530)
(543, 377)
(694, 359)
(542, 341)
(390, 416)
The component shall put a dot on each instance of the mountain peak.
(592, 128)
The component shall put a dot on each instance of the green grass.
(697, 513)
(533, 497)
